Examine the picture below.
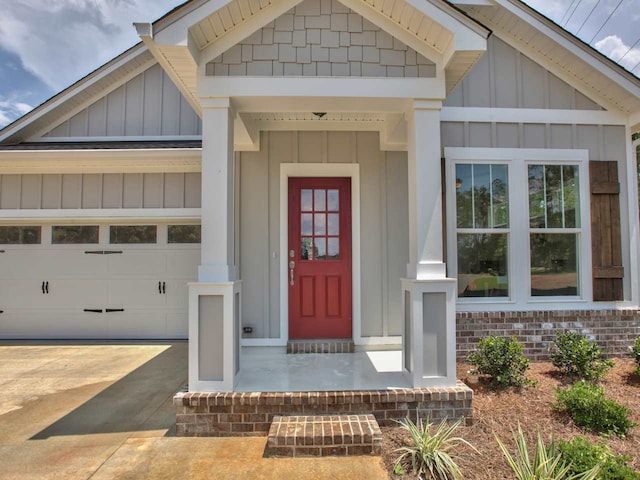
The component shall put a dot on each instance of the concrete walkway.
(103, 411)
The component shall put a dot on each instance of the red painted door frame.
(320, 287)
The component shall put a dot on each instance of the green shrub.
(578, 357)
(635, 353)
(588, 407)
(547, 462)
(580, 454)
(428, 453)
(502, 359)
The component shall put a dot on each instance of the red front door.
(319, 258)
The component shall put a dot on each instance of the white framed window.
(517, 226)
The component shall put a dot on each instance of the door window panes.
(20, 235)
(483, 265)
(320, 229)
(133, 234)
(74, 234)
(183, 234)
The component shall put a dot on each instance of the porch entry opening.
(319, 258)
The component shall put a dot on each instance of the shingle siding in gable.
(321, 39)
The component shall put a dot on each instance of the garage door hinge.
(93, 310)
(102, 252)
(109, 310)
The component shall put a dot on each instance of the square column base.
(429, 337)
(214, 336)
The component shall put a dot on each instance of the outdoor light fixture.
(319, 114)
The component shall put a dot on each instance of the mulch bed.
(498, 412)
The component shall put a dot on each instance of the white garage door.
(125, 281)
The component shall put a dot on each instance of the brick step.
(322, 436)
(321, 346)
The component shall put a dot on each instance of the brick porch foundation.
(250, 414)
(614, 329)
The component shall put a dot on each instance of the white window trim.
(519, 260)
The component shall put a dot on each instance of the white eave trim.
(532, 115)
(21, 216)
(100, 161)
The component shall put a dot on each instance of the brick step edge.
(324, 435)
(320, 346)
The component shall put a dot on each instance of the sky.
(46, 45)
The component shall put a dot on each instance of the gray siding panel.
(147, 105)
(506, 78)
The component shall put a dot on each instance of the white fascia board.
(322, 104)
(634, 122)
(476, 3)
(98, 214)
(321, 87)
(489, 153)
(532, 115)
(243, 30)
(573, 44)
(100, 161)
(82, 84)
(132, 138)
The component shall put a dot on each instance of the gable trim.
(532, 115)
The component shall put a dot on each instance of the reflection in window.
(132, 234)
(183, 234)
(19, 235)
(554, 200)
(482, 196)
(482, 265)
(74, 234)
(554, 264)
(320, 229)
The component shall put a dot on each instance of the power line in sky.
(606, 21)
(566, 11)
(627, 52)
(574, 11)
(588, 17)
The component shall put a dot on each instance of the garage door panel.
(177, 323)
(61, 324)
(81, 292)
(137, 324)
(31, 263)
(177, 294)
(183, 264)
(137, 263)
(134, 292)
(20, 293)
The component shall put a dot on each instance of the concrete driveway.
(103, 411)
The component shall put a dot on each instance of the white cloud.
(59, 41)
(11, 109)
(616, 49)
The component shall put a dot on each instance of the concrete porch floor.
(271, 369)
(77, 410)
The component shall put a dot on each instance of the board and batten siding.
(147, 105)
(383, 224)
(108, 190)
(506, 78)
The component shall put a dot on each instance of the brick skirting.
(615, 329)
(250, 414)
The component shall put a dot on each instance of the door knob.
(292, 265)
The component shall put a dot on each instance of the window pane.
(482, 196)
(320, 223)
(132, 234)
(554, 196)
(183, 234)
(319, 200)
(464, 194)
(333, 202)
(19, 235)
(333, 247)
(320, 252)
(483, 265)
(334, 224)
(306, 249)
(306, 202)
(554, 264)
(306, 224)
(71, 234)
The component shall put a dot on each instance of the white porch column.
(214, 301)
(429, 343)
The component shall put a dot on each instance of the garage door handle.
(160, 287)
(93, 310)
(46, 287)
(164, 287)
(112, 252)
(110, 310)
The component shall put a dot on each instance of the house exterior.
(260, 171)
